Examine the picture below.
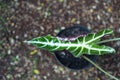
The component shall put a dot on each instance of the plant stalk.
(113, 77)
(109, 40)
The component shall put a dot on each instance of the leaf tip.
(112, 50)
(29, 42)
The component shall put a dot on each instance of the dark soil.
(25, 19)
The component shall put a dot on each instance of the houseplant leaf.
(82, 45)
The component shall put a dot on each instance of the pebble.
(31, 6)
(61, 0)
(48, 74)
(17, 75)
(39, 8)
(111, 20)
(12, 41)
(17, 37)
(73, 20)
(45, 77)
(39, 53)
(104, 23)
(9, 76)
(97, 1)
(47, 14)
(12, 24)
(118, 30)
(78, 22)
(36, 31)
(91, 10)
(33, 52)
(68, 78)
(42, 28)
(94, 7)
(13, 32)
(62, 27)
(56, 30)
(76, 0)
(9, 52)
(98, 17)
(109, 9)
(74, 73)
(17, 57)
(25, 35)
(36, 71)
(89, 26)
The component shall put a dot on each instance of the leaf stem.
(113, 77)
(109, 40)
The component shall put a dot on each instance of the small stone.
(98, 79)
(36, 71)
(36, 31)
(17, 37)
(8, 18)
(94, 7)
(42, 28)
(109, 9)
(91, 10)
(118, 30)
(9, 76)
(45, 77)
(12, 24)
(33, 52)
(39, 8)
(98, 17)
(73, 20)
(62, 27)
(56, 30)
(74, 73)
(48, 74)
(97, 1)
(111, 20)
(9, 51)
(12, 41)
(61, 69)
(78, 22)
(39, 53)
(76, 0)
(47, 14)
(61, 0)
(104, 23)
(13, 32)
(89, 26)
(68, 78)
(25, 35)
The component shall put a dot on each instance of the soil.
(22, 20)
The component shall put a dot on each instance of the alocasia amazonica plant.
(82, 45)
(88, 44)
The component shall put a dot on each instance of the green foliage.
(82, 45)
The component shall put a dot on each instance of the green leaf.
(82, 45)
